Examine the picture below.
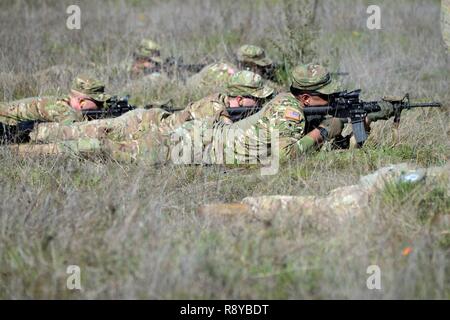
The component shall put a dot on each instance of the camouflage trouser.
(152, 148)
(131, 125)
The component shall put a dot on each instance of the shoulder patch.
(292, 114)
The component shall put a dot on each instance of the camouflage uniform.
(123, 143)
(52, 109)
(253, 55)
(144, 82)
(445, 22)
(341, 204)
(212, 77)
(284, 113)
(242, 140)
(216, 75)
(134, 124)
(130, 125)
(147, 50)
(254, 58)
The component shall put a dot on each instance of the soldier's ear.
(305, 99)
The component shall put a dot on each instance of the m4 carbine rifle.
(115, 107)
(348, 106)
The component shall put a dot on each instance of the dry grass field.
(134, 230)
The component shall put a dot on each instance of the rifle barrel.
(312, 111)
(240, 110)
(425, 105)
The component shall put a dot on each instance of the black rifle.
(114, 107)
(240, 113)
(20, 133)
(340, 73)
(172, 64)
(347, 105)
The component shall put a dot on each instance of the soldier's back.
(46, 109)
(212, 77)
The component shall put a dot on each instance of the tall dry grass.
(133, 229)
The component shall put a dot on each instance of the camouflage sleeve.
(175, 120)
(214, 75)
(46, 109)
(130, 125)
(53, 132)
(152, 149)
(287, 117)
(211, 109)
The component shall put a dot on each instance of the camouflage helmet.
(253, 54)
(149, 49)
(247, 83)
(93, 88)
(314, 77)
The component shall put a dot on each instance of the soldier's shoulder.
(37, 99)
(283, 100)
(284, 106)
(210, 98)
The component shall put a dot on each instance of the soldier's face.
(253, 68)
(143, 65)
(243, 102)
(310, 100)
(81, 102)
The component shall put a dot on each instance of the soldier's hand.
(386, 112)
(334, 126)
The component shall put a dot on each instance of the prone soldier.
(87, 93)
(244, 89)
(216, 75)
(310, 86)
